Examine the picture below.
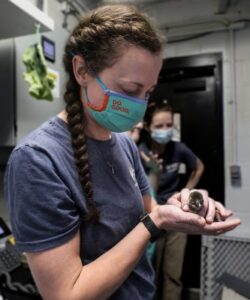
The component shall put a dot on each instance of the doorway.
(193, 86)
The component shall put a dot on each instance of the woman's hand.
(212, 219)
(212, 210)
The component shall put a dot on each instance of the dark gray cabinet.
(7, 99)
(7, 94)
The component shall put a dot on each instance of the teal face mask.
(118, 112)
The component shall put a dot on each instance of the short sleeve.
(42, 212)
(188, 156)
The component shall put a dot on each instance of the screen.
(4, 229)
(49, 49)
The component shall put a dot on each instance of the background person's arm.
(196, 174)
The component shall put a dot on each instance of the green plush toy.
(40, 84)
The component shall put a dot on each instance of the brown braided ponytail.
(99, 38)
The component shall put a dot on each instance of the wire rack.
(220, 255)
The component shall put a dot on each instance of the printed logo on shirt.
(132, 173)
(172, 167)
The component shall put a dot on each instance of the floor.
(191, 294)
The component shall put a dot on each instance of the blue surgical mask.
(162, 136)
(118, 112)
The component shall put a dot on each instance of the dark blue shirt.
(44, 197)
(169, 179)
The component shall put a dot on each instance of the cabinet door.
(7, 93)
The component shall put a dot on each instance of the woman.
(162, 153)
(76, 189)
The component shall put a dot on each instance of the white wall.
(237, 150)
(31, 112)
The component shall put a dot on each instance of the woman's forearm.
(101, 278)
(65, 277)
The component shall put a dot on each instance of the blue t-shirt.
(169, 179)
(44, 196)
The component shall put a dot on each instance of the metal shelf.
(18, 18)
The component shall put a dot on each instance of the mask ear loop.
(102, 84)
(100, 108)
(104, 104)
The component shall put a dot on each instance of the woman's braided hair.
(98, 38)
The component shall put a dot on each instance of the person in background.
(160, 150)
(135, 132)
(78, 198)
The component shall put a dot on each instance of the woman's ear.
(80, 70)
